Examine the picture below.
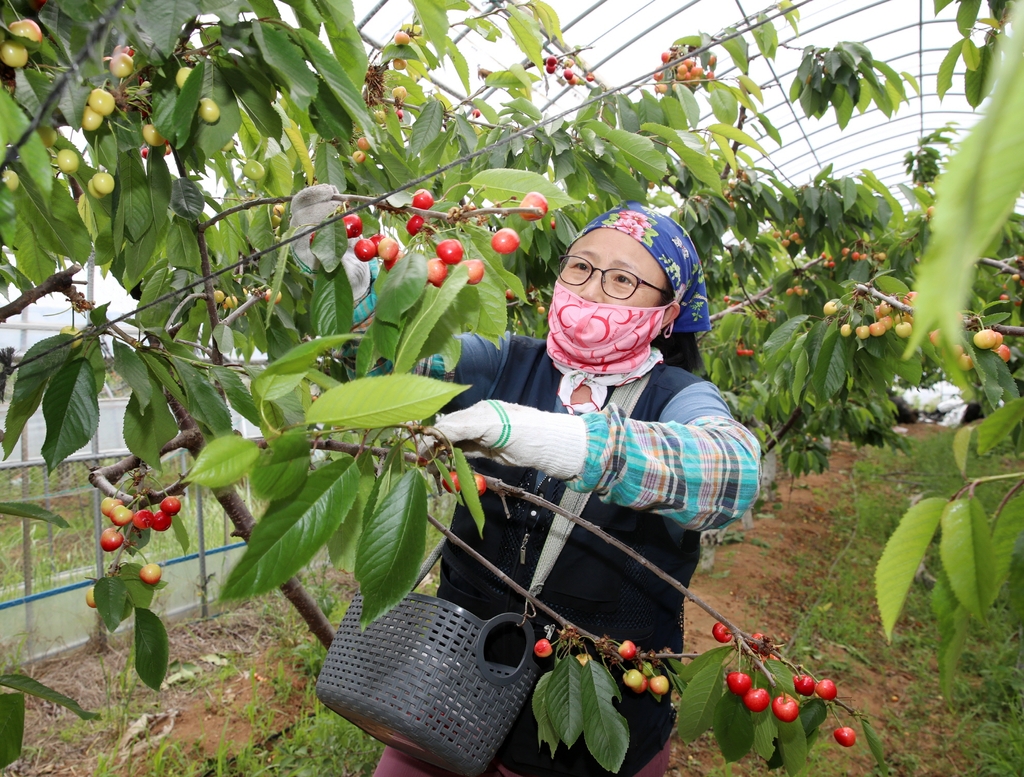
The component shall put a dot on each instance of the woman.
(537, 411)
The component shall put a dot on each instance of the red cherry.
(150, 574)
(785, 708)
(738, 682)
(377, 238)
(145, 152)
(142, 519)
(476, 113)
(627, 650)
(803, 684)
(476, 271)
(365, 249)
(542, 649)
(756, 699)
(535, 200)
(1004, 352)
(660, 685)
(387, 249)
(568, 75)
(450, 251)
(111, 539)
(171, 505)
(414, 225)
(550, 69)
(400, 114)
(161, 521)
(590, 77)
(353, 225)
(437, 271)
(551, 61)
(455, 482)
(505, 241)
(721, 633)
(481, 484)
(666, 57)
(423, 199)
(845, 736)
(826, 689)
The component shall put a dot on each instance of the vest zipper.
(522, 548)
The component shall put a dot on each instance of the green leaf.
(110, 595)
(945, 75)
(874, 744)
(565, 699)
(329, 245)
(332, 303)
(998, 425)
(500, 184)
(202, 398)
(139, 594)
(238, 394)
(427, 127)
(902, 556)
(734, 727)
(292, 530)
(1016, 577)
(133, 200)
(224, 461)
(967, 15)
(975, 195)
(813, 713)
(638, 151)
(885, 283)
(966, 550)
(12, 725)
(335, 77)
(162, 21)
(604, 729)
(738, 49)
(830, 368)
(433, 16)
(30, 383)
(370, 403)
(71, 411)
(697, 706)
(765, 732)
(343, 545)
(952, 618)
(131, 368)
(724, 105)
(468, 489)
(282, 471)
(793, 745)
(961, 447)
(546, 732)
(402, 287)
(186, 199)
(20, 682)
(254, 102)
(696, 159)
(1004, 536)
(782, 334)
(526, 32)
(391, 546)
(285, 59)
(714, 656)
(29, 510)
(736, 134)
(147, 431)
(152, 648)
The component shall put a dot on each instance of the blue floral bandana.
(666, 241)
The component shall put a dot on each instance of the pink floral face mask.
(599, 337)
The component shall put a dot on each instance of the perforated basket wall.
(417, 680)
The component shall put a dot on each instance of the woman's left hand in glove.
(555, 443)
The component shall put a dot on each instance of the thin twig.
(58, 282)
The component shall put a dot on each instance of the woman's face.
(611, 249)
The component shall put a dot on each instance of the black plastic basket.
(417, 679)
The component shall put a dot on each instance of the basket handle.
(501, 674)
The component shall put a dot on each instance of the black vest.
(591, 584)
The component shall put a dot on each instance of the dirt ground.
(218, 718)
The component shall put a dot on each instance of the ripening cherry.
(803, 684)
(111, 539)
(387, 249)
(353, 225)
(542, 648)
(160, 521)
(437, 271)
(505, 241)
(423, 199)
(108, 504)
(10, 180)
(826, 689)
(863, 332)
(253, 170)
(739, 682)
(103, 183)
(635, 680)
(414, 225)
(756, 699)
(904, 329)
(121, 515)
(986, 339)
(659, 685)
(142, 519)
(121, 65)
(877, 329)
(846, 330)
(67, 161)
(209, 111)
(476, 271)
(845, 736)
(1003, 351)
(48, 135)
(91, 120)
(101, 101)
(721, 633)
(627, 649)
(402, 38)
(399, 93)
(534, 200)
(182, 76)
(26, 28)
(365, 249)
(90, 596)
(450, 251)
(150, 574)
(13, 54)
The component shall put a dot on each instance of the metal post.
(202, 552)
(100, 635)
(49, 526)
(26, 540)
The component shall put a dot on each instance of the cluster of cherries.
(784, 707)
(568, 74)
(742, 350)
(481, 487)
(637, 680)
(984, 340)
(688, 72)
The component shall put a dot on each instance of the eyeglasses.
(618, 284)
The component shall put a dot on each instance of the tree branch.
(790, 422)
(58, 282)
(754, 298)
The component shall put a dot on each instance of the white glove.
(554, 443)
(311, 206)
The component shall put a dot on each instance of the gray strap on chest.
(573, 502)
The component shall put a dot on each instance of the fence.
(45, 571)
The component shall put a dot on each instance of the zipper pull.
(522, 548)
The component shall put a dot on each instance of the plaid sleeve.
(704, 474)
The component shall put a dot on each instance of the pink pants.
(397, 764)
